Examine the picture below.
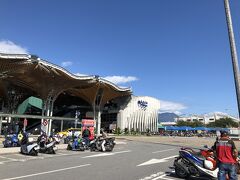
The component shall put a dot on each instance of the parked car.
(69, 131)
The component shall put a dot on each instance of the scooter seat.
(199, 155)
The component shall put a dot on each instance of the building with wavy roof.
(62, 93)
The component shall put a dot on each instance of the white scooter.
(30, 149)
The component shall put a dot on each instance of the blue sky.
(174, 50)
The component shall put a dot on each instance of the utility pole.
(233, 51)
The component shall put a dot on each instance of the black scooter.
(46, 146)
(102, 144)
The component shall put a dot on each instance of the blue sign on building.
(142, 104)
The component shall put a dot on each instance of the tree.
(126, 131)
(132, 131)
(182, 123)
(191, 124)
(223, 123)
(197, 124)
(118, 131)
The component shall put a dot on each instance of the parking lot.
(126, 161)
(133, 158)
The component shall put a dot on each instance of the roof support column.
(47, 110)
(51, 114)
(97, 108)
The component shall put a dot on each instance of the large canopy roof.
(33, 76)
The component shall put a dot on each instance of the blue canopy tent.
(191, 129)
(185, 128)
(179, 128)
(171, 128)
(202, 128)
(221, 129)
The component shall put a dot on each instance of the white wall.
(140, 113)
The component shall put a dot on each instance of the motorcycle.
(198, 164)
(30, 149)
(11, 141)
(77, 144)
(102, 144)
(46, 146)
(57, 139)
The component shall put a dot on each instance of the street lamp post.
(233, 51)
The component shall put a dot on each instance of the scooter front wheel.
(180, 172)
(51, 151)
(33, 152)
(108, 148)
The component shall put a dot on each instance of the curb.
(17, 150)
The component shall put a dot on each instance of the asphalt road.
(130, 160)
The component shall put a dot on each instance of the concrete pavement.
(121, 164)
(194, 142)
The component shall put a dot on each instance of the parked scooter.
(77, 144)
(29, 148)
(198, 164)
(46, 146)
(56, 138)
(11, 141)
(102, 144)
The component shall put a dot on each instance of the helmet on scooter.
(208, 164)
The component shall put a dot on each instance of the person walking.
(227, 154)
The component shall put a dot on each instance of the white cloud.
(10, 47)
(167, 106)
(66, 63)
(120, 79)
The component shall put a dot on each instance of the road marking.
(38, 157)
(61, 153)
(121, 142)
(106, 154)
(99, 155)
(152, 176)
(2, 162)
(163, 177)
(3, 157)
(20, 155)
(158, 175)
(44, 156)
(155, 161)
(120, 152)
(164, 150)
(27, 157)
(46, 172)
